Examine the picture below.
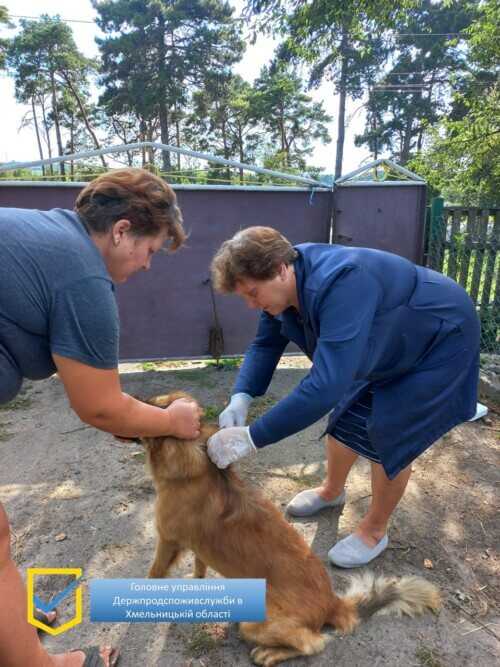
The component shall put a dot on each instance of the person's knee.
(4, 538)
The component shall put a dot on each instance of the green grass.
(194, 374)
(200, 376)
(212, 412)
(149, 366)
(4, 433)
(200, 643)
(19, 403)
(261, 405)
(427, 657)
(226, 363)
(307, 480)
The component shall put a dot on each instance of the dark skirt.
(351, 427)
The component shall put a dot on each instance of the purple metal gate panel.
(167, 311)
(381, 216)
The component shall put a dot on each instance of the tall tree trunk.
(75, 94)
(72, 147)
(55, 111)
(375, 136)
(47, 133)
(406, 146)
(283, 138)
(178, 136)
(240, 147)
(121, 133)
(163, 106)
(226, 149)
(151, 151)
(142, 138)
(165, 135)
(420, 138)
(342, 102)
(37, 131)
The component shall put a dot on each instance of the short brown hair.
(137, 195)
(255, 252)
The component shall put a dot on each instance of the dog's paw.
(267, 657)
(155, 573)
(258, 655)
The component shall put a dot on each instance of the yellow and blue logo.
(34, 602)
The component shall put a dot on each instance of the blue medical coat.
(369, 317)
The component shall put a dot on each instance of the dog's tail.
(369, 594)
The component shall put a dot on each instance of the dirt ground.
(78, 498)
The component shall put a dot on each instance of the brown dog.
(235, 530)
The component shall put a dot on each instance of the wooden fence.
(464, 243)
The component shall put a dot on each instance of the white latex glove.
(229, 445)
(235, 414)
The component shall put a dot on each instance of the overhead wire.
(396, 34)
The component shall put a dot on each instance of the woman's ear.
(120, 228)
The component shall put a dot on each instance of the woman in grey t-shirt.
(58, 313)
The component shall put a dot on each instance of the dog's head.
(173, 459)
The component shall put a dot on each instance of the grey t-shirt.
(56, 296)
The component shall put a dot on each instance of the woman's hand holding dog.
(229, 445)
(184, 419)
(235, 414)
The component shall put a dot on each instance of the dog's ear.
(165, 400)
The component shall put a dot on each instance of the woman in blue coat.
(395, 361)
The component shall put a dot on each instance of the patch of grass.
(200, 376)
(427, 657)
(261, 405)
(307, 480)
(190, 374)
(200, 643)
(212, 412)
(4, 434)
(226, 363)
(149, 366)
(139, 457)
(19, 403)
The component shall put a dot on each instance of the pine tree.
(47, 64)
(155, 51)
(415, 92)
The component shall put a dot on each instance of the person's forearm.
(131, 418)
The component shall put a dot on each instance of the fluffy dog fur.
(235, 530)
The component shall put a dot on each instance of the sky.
(20, 144)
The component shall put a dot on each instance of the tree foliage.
(4, 19)
(341, 41)
(155, 50)
(49, 72)
(413, 93)
(167, 73)
(223, 120)
(462, 158)
(290, 117)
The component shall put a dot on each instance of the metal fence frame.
(354, 211)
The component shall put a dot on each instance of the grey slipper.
(307, 503)
(353, 552)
